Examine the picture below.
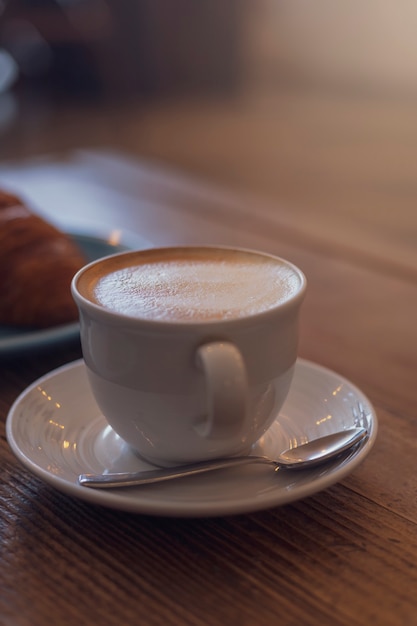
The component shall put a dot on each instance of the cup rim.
(117, 317)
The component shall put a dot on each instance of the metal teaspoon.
(301, 457)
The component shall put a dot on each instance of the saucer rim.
(114, 500)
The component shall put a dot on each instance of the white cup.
(189, 390)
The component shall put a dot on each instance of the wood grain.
(339, 196)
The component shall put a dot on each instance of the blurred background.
(311, 104)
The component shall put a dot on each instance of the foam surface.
(194, 289)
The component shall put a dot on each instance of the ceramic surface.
(57, 431)
(181, 391)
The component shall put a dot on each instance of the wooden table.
(344, 556)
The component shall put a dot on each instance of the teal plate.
(94, 247)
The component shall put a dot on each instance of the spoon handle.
(305, 455)
(131, 479)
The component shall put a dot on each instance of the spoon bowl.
(310, 454)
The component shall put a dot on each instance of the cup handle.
(226, 382)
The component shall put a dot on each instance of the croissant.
(37, 263)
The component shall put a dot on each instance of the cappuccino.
(189, 351)
(191, 285)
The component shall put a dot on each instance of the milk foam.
(197, 289)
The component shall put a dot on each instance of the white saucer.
(57, 431)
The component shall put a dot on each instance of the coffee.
(191, 285)
(189, 351)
